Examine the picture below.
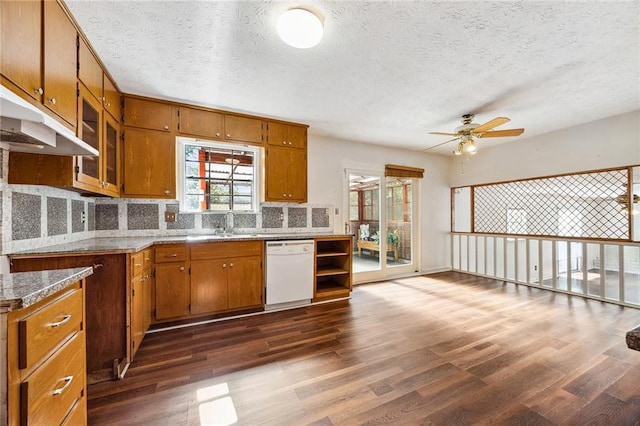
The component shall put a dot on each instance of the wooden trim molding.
(396, 170)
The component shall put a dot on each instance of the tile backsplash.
(34, 216)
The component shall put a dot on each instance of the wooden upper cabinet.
(20, 41)
(111, 98)
(148, 114)
(92, 75)
(60, 62)
(243, 129)
(89, 70)
(286, 174)
(199, 122)
(148, 164)
(287, 135)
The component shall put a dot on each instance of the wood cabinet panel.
(209, 290)
(286, 174)
(89, 70)
(245, 282)
(243, 129)
(111, 98)
(171, 253)
(220, 249)
(172, 290)
(46, 328)
(51, 392)
(148, 164)
(281, 134)
(60, 62)
(21, 39)
(198, 122)
(148, 114)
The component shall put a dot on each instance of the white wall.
(328, 158)
(607, 143)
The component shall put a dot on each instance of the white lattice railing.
(604, 270)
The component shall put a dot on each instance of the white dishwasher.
(289, 279)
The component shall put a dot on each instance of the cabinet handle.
(224, 265)
(138, 264)
(64, 320)
(231, 265)
(167, 192)
(284, 142)
(289, 143)
(108, 104)
(104, 99)
(38, 91)
(290, 195)
(171, 255)
(217, 134)
(166, 127)
(228, 135)
(64, 387)
(52, 101)
(97, 265)
(182, 268)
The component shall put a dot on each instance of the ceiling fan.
(469, 130)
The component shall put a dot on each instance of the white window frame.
(180, 171)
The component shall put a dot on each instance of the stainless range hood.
(24, 128)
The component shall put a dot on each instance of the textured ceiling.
(386, 72)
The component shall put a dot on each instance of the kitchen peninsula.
(42, 329)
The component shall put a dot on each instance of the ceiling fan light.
(300, 28)
(459, 148)
(471, 146)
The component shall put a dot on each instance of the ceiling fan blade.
(442, 133)
(498, 121)
(501, 133)
(443, 143)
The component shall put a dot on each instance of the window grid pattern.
(580, 205)
(218, 179)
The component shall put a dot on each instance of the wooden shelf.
(328, 253)
(323, 271)
(333, 268)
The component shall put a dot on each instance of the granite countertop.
(633, 339)
(134, 244)
(21, 289)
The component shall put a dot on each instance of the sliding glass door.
(381, 215)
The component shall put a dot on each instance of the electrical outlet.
(169, 216)
(83, 217)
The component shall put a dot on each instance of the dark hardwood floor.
(443, 349)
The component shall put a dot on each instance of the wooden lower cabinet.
(172, 290)
(140, 264)
(217, 277)
(107, 308)
(46, 375)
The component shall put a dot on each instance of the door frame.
(385, 272)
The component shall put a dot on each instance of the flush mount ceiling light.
(300, 28)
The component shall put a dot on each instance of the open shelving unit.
(333, 260)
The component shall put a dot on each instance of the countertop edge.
(45, 283)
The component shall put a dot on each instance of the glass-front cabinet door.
(110, 180)
(89, 124)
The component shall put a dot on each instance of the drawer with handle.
(43, 330)
(171, 253)
(50, 393)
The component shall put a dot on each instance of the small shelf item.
(333, 262)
